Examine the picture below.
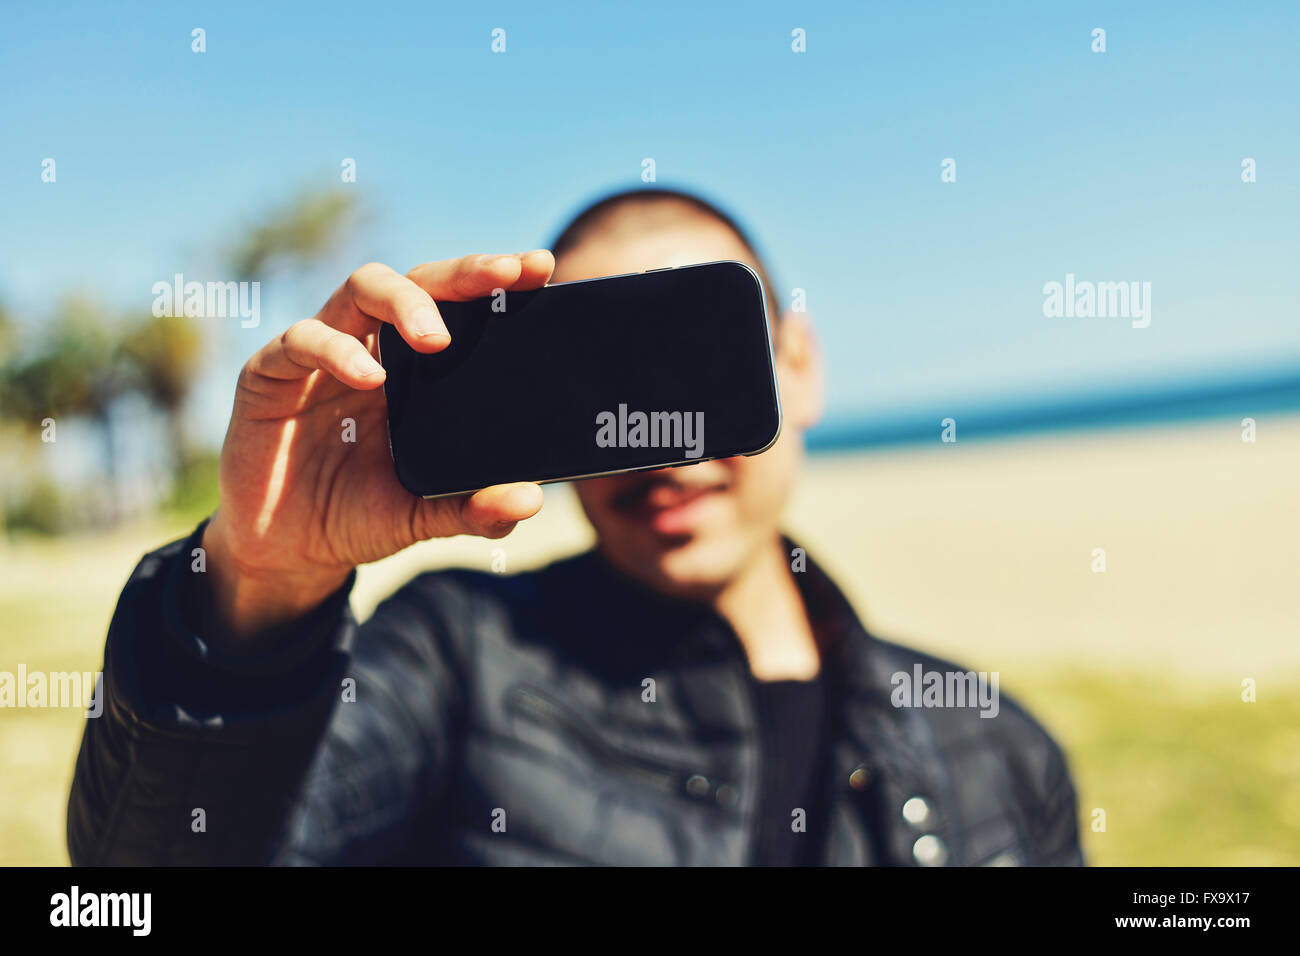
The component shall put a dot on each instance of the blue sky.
(1123, 165)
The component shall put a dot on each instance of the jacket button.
(697, 785)
(929, 850)
(916, 811)
(860, 778)
(726, 795)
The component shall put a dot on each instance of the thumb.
(490, 513)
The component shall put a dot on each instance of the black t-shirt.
(792, 721)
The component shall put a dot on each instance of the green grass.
(1188, 774)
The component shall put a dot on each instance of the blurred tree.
(79, 364)
(163, 352)
(73, 369)
(8, 339)
(296, 234)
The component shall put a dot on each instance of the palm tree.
(295, 235)
(73, 370)
(8, 339)
(163, 352)
(80, 365)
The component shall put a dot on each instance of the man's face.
(685, 531)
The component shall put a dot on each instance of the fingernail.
(365, 365)
(427, 322)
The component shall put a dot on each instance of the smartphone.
(579, 379)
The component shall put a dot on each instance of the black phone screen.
(584, 378)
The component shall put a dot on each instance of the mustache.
(680, 481)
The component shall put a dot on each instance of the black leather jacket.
(485, 719)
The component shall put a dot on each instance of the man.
(695, 691)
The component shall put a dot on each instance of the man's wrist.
(245, 603)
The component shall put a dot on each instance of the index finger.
(471, 277)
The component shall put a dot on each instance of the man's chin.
(691, 566)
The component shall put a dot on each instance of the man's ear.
(799, 369)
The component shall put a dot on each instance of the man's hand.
(300, 507)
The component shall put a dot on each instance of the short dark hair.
(604, 209)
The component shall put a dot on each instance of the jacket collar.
(849, 652)
(893, 745)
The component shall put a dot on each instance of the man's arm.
(316, 752)
(1058, 820)
(1040, 775)
(231, 694)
